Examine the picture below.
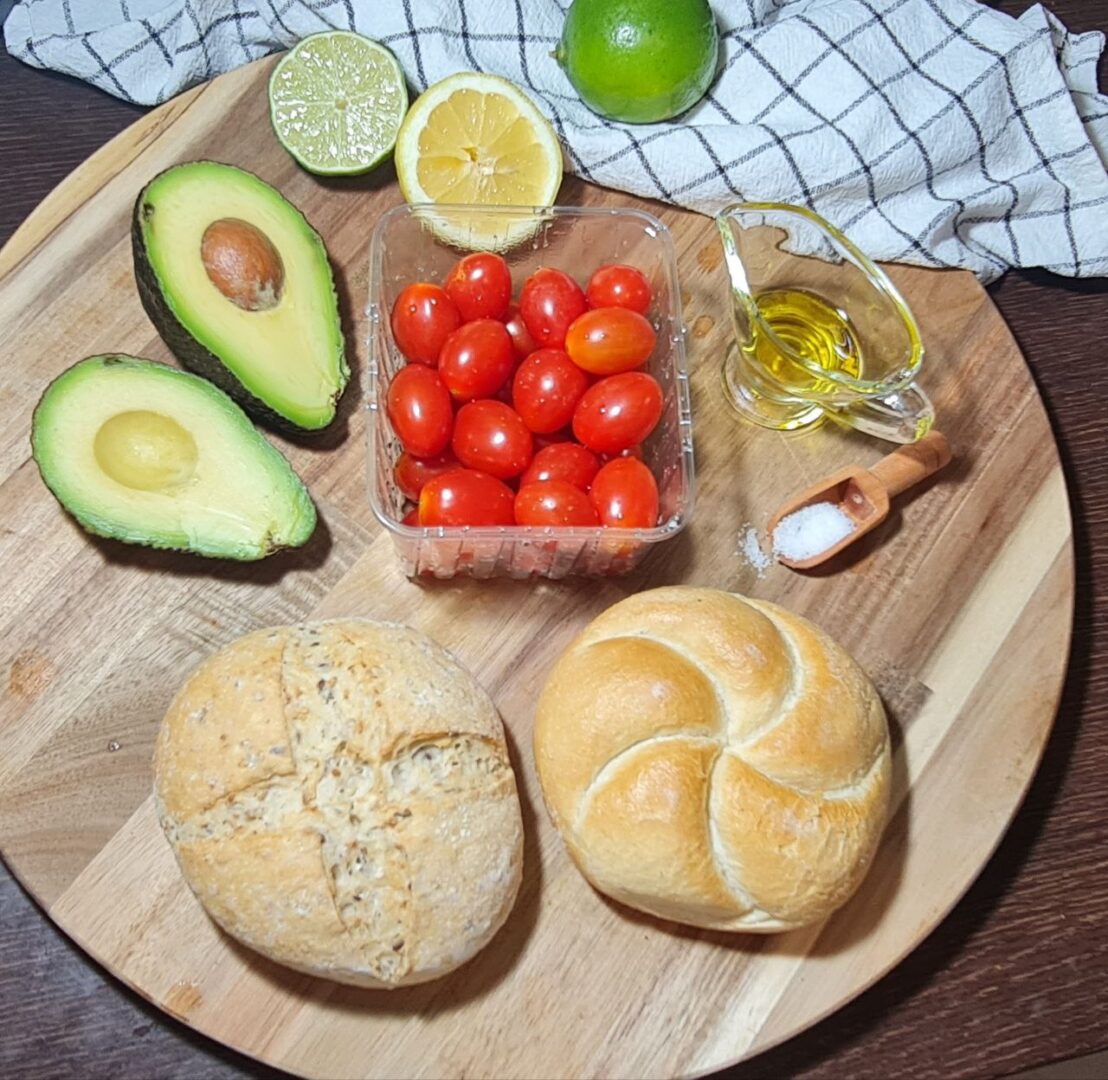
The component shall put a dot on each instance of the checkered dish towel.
(936, 132)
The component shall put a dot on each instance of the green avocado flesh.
(145, 453)
(284, 364)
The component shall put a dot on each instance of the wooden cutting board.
(960, 607)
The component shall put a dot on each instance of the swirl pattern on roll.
(714, 760)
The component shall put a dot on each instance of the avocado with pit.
(145, 453)
(238, 284)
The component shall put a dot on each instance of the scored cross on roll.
(714, 760)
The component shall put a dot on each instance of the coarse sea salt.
(810, 531)
(751, 549)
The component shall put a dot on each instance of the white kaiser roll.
(714, 760)
(339, 798)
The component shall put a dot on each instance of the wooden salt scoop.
(864, 494)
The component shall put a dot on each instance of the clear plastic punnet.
(414, 243)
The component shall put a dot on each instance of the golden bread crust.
(339, 797)
(714, 760)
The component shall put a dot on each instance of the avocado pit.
(145, 451)
(242, 263)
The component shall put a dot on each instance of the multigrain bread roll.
(339, 798)
(714, 760)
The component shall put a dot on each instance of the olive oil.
(813, 329)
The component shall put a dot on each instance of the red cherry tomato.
(618, 412)
(625, 495)
(411, 518)
(419, 407)
(569, 462)
(481, 286)
(619, 286)
(477, 359)
(546, 389)
(490, 436)
(466, 497)
(553, 502)
(522, 341)
(606, 341)
(422, 319)
(549, 301)
(411, 473)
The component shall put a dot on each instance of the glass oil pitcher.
(820, 331)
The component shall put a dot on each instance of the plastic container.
(405, 248)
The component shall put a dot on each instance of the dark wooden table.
(1015, 977)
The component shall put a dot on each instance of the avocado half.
(238, 284)
(144, 453)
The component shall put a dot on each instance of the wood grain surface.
(882, 1034)
(959, 606)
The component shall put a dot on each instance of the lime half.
(336, 102)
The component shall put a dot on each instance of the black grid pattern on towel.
(880, 155)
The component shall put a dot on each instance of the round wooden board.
(960, 607)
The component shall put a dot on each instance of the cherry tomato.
(546, 389)
(625, 495)
(418, 405)
(422, 319)
(477, 359)
(466, 497)
(411, 473)
(606, 341)
(522, 341)
(549, 301)
(411, 518)
(569, 462)
(618, 412)
(619, 286)
(490, 436)
(553, 502)
(481, 286)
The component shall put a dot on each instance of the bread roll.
(339, 798)
(714, 760)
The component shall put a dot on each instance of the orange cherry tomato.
(625, 495)
(569, 462)
(619, 286)
(546, 389)
(606, 341)
(466, 497)
(481, 286)
(411, 472)
(419, 408)
(618, 412)
(553, 502)
(422, 319)
(491, 437)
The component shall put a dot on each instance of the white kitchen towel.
(936, 132)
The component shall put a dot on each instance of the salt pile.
(810, 531)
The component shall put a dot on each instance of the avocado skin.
(189, 351)
(109, 530)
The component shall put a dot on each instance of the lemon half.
(478, 140)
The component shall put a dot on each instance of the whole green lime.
(639, 60)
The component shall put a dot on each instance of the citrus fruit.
(336, 102)
(639, 60)
(478, 140)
